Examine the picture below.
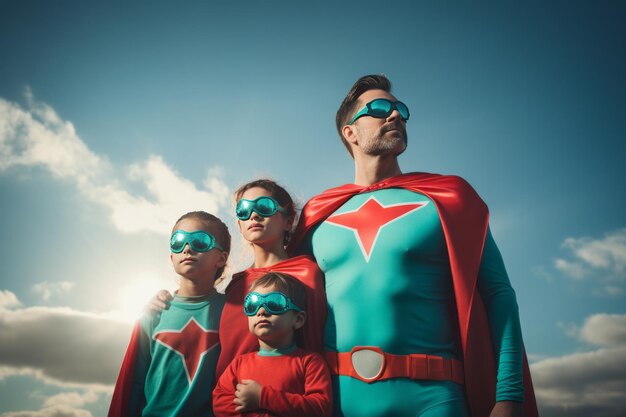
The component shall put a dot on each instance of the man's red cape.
(464, 217)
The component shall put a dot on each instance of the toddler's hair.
(286, 284)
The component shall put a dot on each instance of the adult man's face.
(379, 136)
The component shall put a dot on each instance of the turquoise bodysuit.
(388, 284)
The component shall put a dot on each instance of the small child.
(280, 379)
(169, 367)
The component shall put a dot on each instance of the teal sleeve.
(503, 315)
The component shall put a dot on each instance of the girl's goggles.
(275, 303)
(263, 206)
(381, 107)
(198, 241)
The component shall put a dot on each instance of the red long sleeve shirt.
(295, 384)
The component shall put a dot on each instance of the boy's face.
(197, 265)
(274, 331)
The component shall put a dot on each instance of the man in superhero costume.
(422, 318)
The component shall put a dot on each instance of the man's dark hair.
(349, 104)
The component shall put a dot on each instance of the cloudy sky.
(116, 119)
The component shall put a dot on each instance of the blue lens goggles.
(275, 303)
(198, 241)
(263, 206)
(381, 107)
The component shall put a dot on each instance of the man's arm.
(504, 326)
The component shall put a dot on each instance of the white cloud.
(574, 270)
(609, 291)
(62, 346)
(599, 261)
(586, 383)
(605, 330)
(38, 137)
(8, 299)
(55, 411)
(607, 254)
(67, 404)
(72, 399)
(48, 289)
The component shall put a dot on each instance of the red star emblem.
(367, 221)
(192, 342)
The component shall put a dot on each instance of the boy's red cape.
(464, 217)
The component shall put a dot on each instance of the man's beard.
(384, 145)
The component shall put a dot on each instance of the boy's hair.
(278, 193)
(215, 226)
(286, 284)
(347, 108)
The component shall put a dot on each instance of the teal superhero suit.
(392, 284)
(169, 367)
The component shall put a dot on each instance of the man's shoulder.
(403, 181)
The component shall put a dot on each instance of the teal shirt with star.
(175, 369)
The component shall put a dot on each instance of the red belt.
(371, 364)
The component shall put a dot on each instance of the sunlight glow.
(132, 298)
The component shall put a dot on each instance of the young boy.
(280, 379)
(169, 367)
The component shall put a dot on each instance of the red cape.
(236, 339)
(464, 217)
(122, 394)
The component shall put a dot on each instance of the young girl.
(170, 362)
(266, 214)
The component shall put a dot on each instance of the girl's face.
(197, 265)
(263, 230)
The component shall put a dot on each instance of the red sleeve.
(316, 400)
(224, 392)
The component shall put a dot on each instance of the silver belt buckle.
(368, 362)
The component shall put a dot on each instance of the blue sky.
(117, 118)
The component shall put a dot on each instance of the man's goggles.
(381, 107)
(275, 303)
(263, 206)
(198, 241)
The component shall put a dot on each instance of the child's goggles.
(275, 303)
(263, 206)
(198, 241)
(381, 107)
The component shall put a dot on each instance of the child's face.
(274, 331)
(197, 265)
(263, 230)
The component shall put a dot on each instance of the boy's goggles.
(275, 303)
(381, 107)
(198, 241)
(263, 206)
